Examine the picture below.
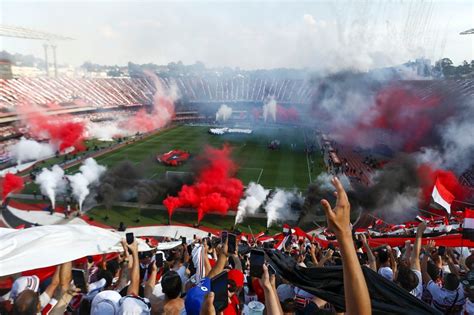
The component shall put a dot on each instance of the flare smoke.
(255, 195)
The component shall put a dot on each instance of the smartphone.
(90, 259)
(219, 287)
(223, 236)
(79, 279)
(257, 259)
(159, 260)
(183, 240)
(271, 270)
(231, 243)
(441, 250)
(209, 235)
(129, 237)
(208, 241)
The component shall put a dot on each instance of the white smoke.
(105, 131)
(30, 150)
(323, 181)
(270, 109)
(50, 181)
(255, 195)
(89, 174)
(402, 208)
(278, 208)
(224, 113)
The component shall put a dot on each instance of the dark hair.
(451, 282)
(383, 256)
(112, 266)
(26, 303)
(107, 275)
(433, 270)
(407, 278)
(171, 284)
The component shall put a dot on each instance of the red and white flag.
(468, 225)
(442, 196)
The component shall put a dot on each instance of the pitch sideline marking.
(259, 176)
(309, 171)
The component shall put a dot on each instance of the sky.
(330, 35)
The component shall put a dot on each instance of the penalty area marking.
(309, 171)
(254, 168)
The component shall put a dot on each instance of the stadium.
(140, 179)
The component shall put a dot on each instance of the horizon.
(322, 36)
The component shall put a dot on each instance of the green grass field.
(154, 217)
(285, 168)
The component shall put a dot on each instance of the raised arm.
(415, 254)
(356, 294)
(312, 252)
(134, 270)
(370, 254)
(272, 303)
(151, 281)
(221, 261)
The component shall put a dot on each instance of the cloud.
(309, 19)
(107, 31)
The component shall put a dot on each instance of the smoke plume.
(160, 113)
(255, 195)
(88, 175)
(105, 131)
(215, 190)
(224, 113)
(11, 184)
(63, 131)
(30, 150)
(270, 109)
(283, 206)
(50, 181)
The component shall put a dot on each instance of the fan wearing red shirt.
(235, 285)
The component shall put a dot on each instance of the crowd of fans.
(224, 275)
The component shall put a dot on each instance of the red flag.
(468, 226)
(442, 196)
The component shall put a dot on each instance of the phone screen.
(79, 278)
(129, 237)
(231, 243)
(159, 260)
(219, 287)
(271, 270)
(223, 236)
(257, 258)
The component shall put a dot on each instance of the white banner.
(50, 245)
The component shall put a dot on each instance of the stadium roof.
(470, 31)
(21, 32)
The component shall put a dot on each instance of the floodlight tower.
(21, 32)
(45, 46)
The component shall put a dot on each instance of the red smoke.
(11, 183)
(399, 110)
(159, 115)
(61, 130)
(215, 190)
(427, 175)
(283, 114)
(287, 114)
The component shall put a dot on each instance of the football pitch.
(286, 167)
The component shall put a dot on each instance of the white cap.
(24, 283)
(106, 303)
(386, 272)
(131, 305)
